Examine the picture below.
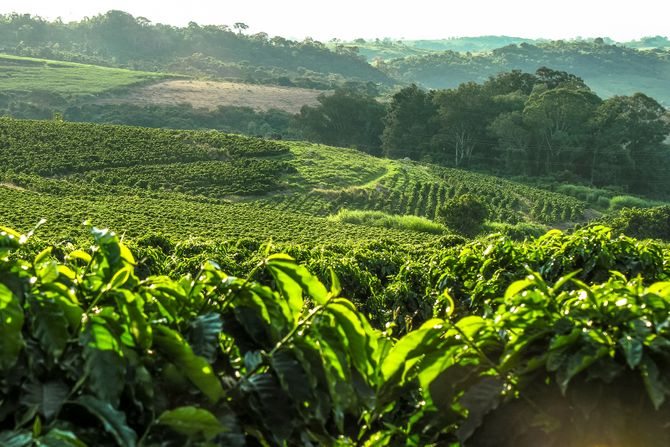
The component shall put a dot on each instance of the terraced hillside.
(211, 184)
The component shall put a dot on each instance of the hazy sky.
(416, 19)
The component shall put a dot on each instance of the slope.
(219, 185)
(608, 69)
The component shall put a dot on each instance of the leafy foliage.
(465, 214)
(218, 359)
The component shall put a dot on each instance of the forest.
(121, 40)
(549, 123)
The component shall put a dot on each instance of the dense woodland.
(119, 39)
(609, 69)
(545, 124)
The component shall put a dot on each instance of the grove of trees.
(546, 124)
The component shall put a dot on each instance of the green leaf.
(578, 362)
(335, 287)
(292, 376)
(518, 286)
(414, 344)
(11, 323)
(113, 421)
(203, 335)
(564, 280)
(192, 422)
(196, 368)
(357, 339)
(132, 309)
(105, 366)
(291, 274)
(42, 255)
(80, 255)
(50, 327)
(47, 272)
(480, 399)
(47, 397)
(119, 278)
(447, 300)
(653, 381)
(632, 349)
(15, 438)
(60, 438)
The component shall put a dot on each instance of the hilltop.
(609, 69)
(118, 39)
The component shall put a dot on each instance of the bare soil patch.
(11, 186)
(211, 94)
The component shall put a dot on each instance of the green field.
(23, 74)
(211, 184)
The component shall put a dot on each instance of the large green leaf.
(15, 439)
(632, 349)
(290, 275)
(203, 335)
(113, 421)
(60, 438)
(131, 307)
(292, 377)
(50, 326)
(196, 368)
(479, 400)
(270, 404)
(653, 381)
(48, 397)
(361, 342)
(105, 366)
(192, 422)
(414, 344)
(11, 323)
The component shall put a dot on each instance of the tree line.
(116, 38)
(547, 123)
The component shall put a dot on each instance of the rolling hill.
(609, 69)
(210, 184)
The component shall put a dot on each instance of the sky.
(621, 20)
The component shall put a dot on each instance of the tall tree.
(345, 118)
(463, 115)
(559, 121)
(633, 128)
(410, 124)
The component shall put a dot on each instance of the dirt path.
(11, 186)
(211, 94)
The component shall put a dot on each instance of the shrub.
(465, 214)
(384, 220)
(518, 231)
(619, 202)
(650, 223)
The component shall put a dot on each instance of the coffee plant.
(93, 352)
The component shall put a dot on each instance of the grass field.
(212, 94)
(22, 74)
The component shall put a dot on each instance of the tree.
(463, 115)
(240, 26)
(632, 128)
(410, 123)
(511, 82)
(555, 78)
(345, 118)
(559, 121)
(513, 140)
